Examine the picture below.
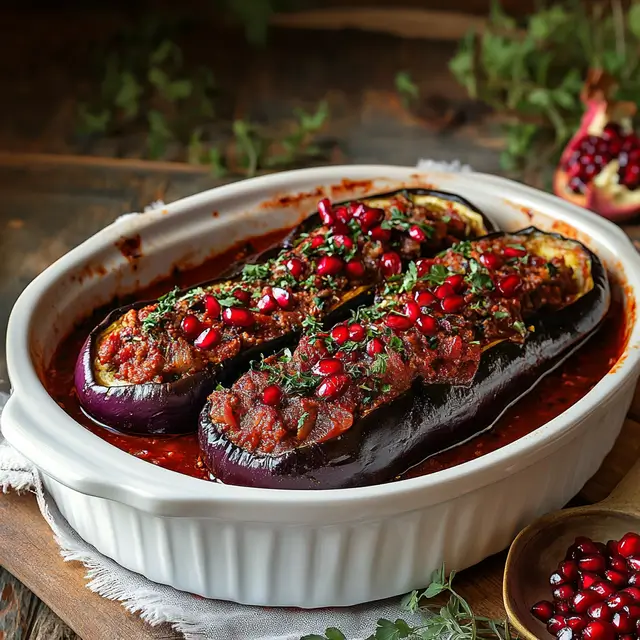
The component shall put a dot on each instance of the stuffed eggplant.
(148, 367)
(432, 363)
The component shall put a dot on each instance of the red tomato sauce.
(555, 393)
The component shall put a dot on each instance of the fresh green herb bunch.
(454, 620)
(533, 73)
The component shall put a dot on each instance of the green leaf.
(406, 87)
(387, 630)
(313, 121)
(313, 636)
(217, 163)
(159, 134)
(167, 51)
(195, 149)
(633, 19)
(91, 123)
(178, 90)
(334, 634)
(128, 96)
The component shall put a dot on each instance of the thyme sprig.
(164, 306)
(454, 620)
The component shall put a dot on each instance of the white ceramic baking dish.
(297, 548)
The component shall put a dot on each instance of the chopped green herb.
(446, 219)
(463, 248)
(229, 301)
(192, 294)
(385, 388)
(219, 387)
(519, 247)
(433, 343)
(312, 325)
(301, 420)
(499, 315)
(437, 274)
(478, 278)
(552, 269)
(254, 272)
(520, 327)
(379, 366)
(396, 344)
(164, 305)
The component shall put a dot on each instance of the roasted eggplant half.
(433, 362)
(148, 367)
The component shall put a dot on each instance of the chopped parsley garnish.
(499, 315)
(400, 221)
(437, 274)
(520, 327)
(433, 343)
(297, 382)
(463, 248)
(478, 278)
(164, 306)
(520, 247)
(312, 326)
(253, 272)
(229, 301)
(301, 420)
(446, 219)
(192, 294)
(219, 387)
(379, 366)
(396, 344)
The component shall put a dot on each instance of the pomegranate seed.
(569, 569)
(627, 636)
(190, 325)
(282, 297)
(590, 547)
(208, 338)
(633, 610)
(295, 266)
(542, 610)
(237, 317)
(563, 608)
(491, 260)
(618, 563)
(355, 268)
(357, 332)
(622, 622)
(398, 323)
(601, 547)
(616, 578)
(600, 611)
(327, 367)
(587, 580)
(242, 295)
(452, 304)
(343, 214)
(267, 304)
(378, 234)
(603, 589)
(427, 325)
(556, 623)
(325, 210)
(456, 281)
(634, 563)
(599, 630)
(417, 234)
(514, 252)
(212, 306)
(595, 564)
(329, 266)
(619, 600)
(634, 579)
(340, 334)
(391, 264)
(423, 266)
(339, 228)
(584, 599)
(444, 291)
(317, 241)
(424, 298)
(508, 285)
(412, 310)
(272, 395)
(611, 131)
(564, 592)
(612, 548)
(375, 346)
(343, 241)
(332, 386)
(634, 592)
(566, 633)
(368, 217)
(556, 578)
(577, 623)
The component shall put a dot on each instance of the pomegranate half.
(600, 167)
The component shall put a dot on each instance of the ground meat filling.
(356, 246)
(431, 323)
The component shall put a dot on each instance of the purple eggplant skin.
(425, 420)
(313, 220)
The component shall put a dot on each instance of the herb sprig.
(454, 620)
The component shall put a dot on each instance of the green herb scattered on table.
(454, 620)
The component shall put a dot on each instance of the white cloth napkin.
(195, 617)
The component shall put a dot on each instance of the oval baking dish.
(298, 548)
